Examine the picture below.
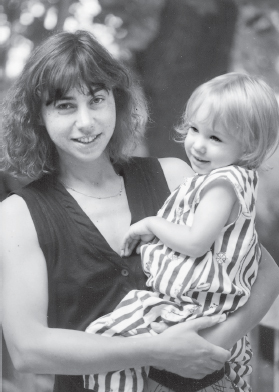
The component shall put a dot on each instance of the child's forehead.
(202, 112)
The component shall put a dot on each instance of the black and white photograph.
(139, 188)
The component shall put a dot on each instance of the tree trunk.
(192, 46)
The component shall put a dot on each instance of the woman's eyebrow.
(66, 98)
(97, 87)
(91, 92)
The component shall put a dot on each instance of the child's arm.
(213, 213)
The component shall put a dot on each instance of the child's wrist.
(151, 222)
(148, 222)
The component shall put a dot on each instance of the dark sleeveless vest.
(86, 278)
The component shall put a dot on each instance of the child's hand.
(137, 235)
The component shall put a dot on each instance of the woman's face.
(81, 125)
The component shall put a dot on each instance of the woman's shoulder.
(175, 170)
(16, 217)
(14, 206)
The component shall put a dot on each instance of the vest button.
(125, 272)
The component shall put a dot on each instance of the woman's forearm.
(263, 293)
(58, 351)
(180, 350)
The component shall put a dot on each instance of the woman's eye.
(97, 100)
(64, 106)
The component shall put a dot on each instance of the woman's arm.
(175, 170)
(263, 293)
(35, 348)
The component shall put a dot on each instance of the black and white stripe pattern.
(184, 287)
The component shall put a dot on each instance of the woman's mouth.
(86, 139)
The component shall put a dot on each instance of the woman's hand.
(188, 354)
(263, 293)
(138, 234)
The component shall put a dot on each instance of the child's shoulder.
(234, 172)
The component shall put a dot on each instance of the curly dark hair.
(62, 62)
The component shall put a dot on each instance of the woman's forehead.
(57, 93)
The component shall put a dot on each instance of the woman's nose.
(84, 118)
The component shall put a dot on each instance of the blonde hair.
(246, 107)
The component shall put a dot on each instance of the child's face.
(207, 148)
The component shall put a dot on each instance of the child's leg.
(126, 320)
(239, 365)
(223, 385)
(132, 318)
(124, 380)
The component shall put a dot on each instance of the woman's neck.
(87, 174)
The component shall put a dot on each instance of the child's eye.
(193, 129)
(216, 139)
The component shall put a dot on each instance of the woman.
(70, 122)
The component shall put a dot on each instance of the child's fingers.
(129, 245)
(125, 245)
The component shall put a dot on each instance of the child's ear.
(244, 158)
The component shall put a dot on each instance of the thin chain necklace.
(119, 193)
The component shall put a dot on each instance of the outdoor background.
(172, 46)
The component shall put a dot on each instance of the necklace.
(119, 193)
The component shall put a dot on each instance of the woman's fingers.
(159, 327)
(207, 322)
(198, 324)
(188, 354)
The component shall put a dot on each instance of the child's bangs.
(214, 107)
(232, 114)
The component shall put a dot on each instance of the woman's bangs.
(58, 80)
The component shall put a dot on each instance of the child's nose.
(200, 145)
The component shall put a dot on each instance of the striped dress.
(184, 287)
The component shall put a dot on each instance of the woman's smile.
(86, 139)
(81, 124)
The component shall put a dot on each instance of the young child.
(204, 254)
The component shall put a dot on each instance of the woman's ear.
(40, 120)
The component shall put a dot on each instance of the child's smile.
(208, 148)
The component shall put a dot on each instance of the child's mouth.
(199, 160)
